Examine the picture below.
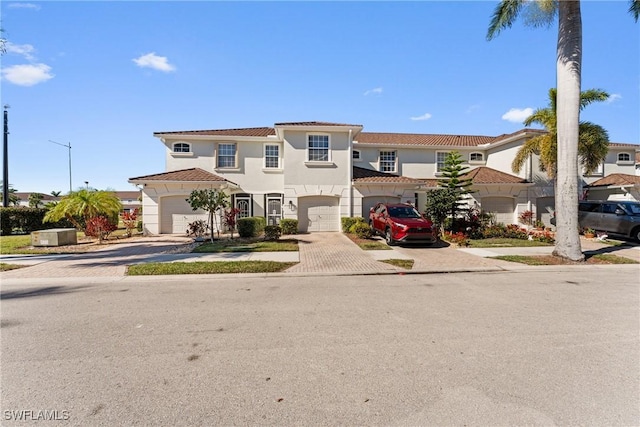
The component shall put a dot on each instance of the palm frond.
(504, 16)
(541, 13)
(531, 146)
(549, 153)
(592, 95)
(593, 146)
(634, 9)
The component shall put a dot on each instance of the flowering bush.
(230, 218)
(130, 221)
(100, 227)
(526, 217)
(458, 238)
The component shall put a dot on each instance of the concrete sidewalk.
(319, 253)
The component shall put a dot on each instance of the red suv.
(401, 223)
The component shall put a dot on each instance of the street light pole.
(69, 147)
(5, 158)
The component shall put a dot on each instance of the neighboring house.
(317, 172)
(130, 199)
(617, 186)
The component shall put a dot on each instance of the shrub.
(361, 229)
(27, 220)
(272, 232)
(511, 231)
(349, 221)
(251, 227)
(458, 238)
(100, 227)
(526, 217)
(289, 226)
(130, 221)
(197, 228)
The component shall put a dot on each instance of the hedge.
(26, 220)
(272, 232)
(289, 226)
(251, 227)
(349, 221)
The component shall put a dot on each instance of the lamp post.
(69, 147)
(87, 184)
(5, 158)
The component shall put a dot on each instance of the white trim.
(264, 154)
(235, 161)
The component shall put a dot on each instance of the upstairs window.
(356, 155)
(181, 147)
(227, 155)
(272, 156)
(624, 157)
(476, 157)
(387, 162)
(440, 158)
(318, 148)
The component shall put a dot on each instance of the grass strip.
(203, 267)
(8, 267)
(498, 242)
(243, 245)
(612, 259)
(522, 259)
(407, 264)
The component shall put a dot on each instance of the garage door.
(176, 214)
(370, 201)
(545, 206)
(501, 207)
(319, 213)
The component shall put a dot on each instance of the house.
(317, 172)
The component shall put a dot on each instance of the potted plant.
(589, 233)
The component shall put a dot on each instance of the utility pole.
(69, 147)
(5, 158)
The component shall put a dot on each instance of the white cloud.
(151, 60)
(425, 116)
(24, 6)
(25, 50)
(517, 115)
(27, 74)
(375, 91)
(613, 98)
(473, 108)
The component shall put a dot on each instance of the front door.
(274, 210)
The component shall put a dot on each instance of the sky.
(103, 76)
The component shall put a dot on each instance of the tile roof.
(188, 175)
(422, 139)
(362, 175)
(486, 175)
(616, 179)
(261, 131)
(24, 196)
(313, 124)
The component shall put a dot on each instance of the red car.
(401, 223)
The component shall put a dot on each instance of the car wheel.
(635, 234)
(388, 238)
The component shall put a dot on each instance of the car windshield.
(404, 212)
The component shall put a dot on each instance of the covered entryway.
(176, 214)
(370, 201)
(318, 213)
(502, 207)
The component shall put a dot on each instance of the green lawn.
(368, 244)
(504, 242)
(215, 267)
(248, 245)
(551, 260)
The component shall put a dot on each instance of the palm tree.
(568, 77)
(593, 139)
(85, 204)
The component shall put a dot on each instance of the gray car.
(613, 217)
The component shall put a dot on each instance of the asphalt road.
(553, 347)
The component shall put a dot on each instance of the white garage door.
(501, 207)
(371, 201)
(319, 213)
(176, 214)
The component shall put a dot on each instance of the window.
(624, 157)
(476, 157)
(387, 161)
(598, 172)
(226, 155)
(181, 147)
(440, 158)
(272, 156)
(356, 155)
(318, 146)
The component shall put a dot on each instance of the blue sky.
(104, 76)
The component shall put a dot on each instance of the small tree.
(230, 218)
(35, 200)
(209, 200)
(453, 179)
(100, 226)
(438, 207)
(80, 206)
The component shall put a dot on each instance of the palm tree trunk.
(569, 61)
